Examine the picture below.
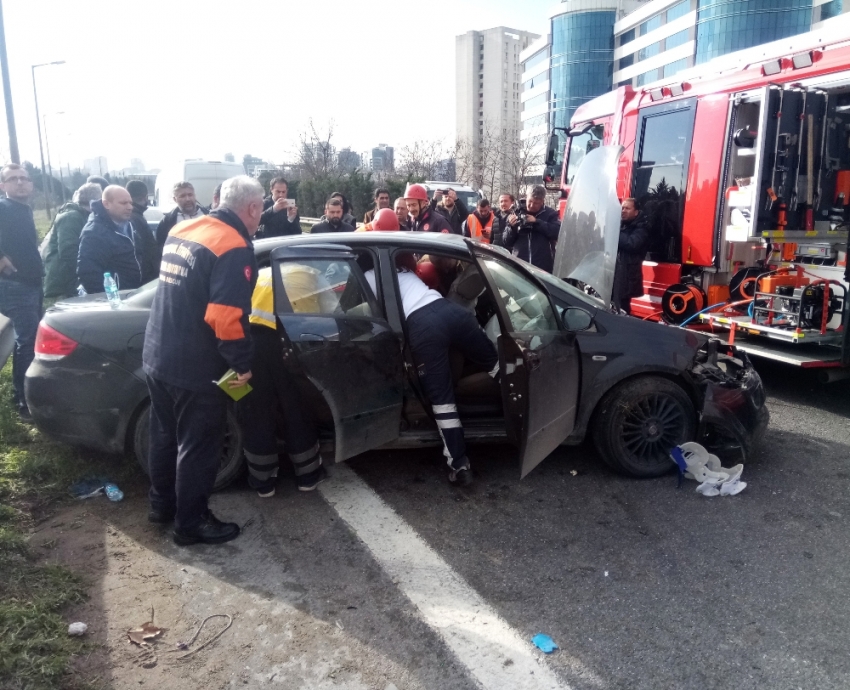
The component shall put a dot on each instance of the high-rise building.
(487, 81)
(348, 160)
(96, 166)
(383, 158)
(664, 37)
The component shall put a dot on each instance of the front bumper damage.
(734, 416)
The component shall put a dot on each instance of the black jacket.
(500, 225)
(198, 325)
(628, 275)
(535, 242)
(431, 221)
(456, 216)
(149, 251)
(276, 223)
(169, 220)
(19, 242)
(104, 248)
(325, 226)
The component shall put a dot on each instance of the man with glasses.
(21, 271)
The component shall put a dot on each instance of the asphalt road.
(642, 585)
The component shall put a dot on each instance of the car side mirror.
(576, 319)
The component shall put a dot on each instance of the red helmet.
(428, 274)
(416, 191)
(385, 219)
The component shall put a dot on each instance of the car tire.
(232, 462)
(638, 422)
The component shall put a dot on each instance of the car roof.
(419, 242)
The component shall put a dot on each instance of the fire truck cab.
(742, 167)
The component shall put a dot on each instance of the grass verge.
(35, 649)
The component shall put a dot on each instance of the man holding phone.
(280, 215)
(448, 205)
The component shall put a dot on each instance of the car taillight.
(51, 345)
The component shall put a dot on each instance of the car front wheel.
(638, 423)
(231, 462)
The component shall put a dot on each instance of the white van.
(466, 194)
(204, 176)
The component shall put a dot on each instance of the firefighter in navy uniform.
(423, 217)
(198, 328)
(434, 325)
(275, 389)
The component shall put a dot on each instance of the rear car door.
(539, 359)
(346, 348)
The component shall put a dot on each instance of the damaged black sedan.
(569, 367)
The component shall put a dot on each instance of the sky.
(164, 80)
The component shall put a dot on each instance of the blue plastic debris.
(113, 493)
(544, 643)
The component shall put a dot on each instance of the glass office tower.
(582, 61)
(724, 26)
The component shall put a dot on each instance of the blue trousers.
(432, 330)
(187, 436)
(22, 304)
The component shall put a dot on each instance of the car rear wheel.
(638, 422)
(231, 463)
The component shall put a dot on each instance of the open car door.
(538, 358)
(333, 325)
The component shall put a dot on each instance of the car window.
(324, 286)
(572, 290)
(528, 307)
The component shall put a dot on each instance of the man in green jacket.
(63, 243)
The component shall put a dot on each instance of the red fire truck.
(742, 167)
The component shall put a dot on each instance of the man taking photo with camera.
(533, 231)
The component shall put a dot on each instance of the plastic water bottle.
(111, 290)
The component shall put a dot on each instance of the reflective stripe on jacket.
(262, 301)
(479, 232)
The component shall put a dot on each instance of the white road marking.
(495, 654)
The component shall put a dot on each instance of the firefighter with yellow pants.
(275, 389)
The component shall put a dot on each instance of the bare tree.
(522, 158)
(316, 153)
(423, 158)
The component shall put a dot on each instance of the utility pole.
(7, 94)
(40, 145)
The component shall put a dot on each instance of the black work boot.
(209, 531)
(461, 476)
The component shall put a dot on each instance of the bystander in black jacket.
(326, 226)
(500, 226)
(276, 223)
(456, 215)
(149, 251)
(535, 242)
(170, 219)
(19, 243)
(105, 248)
(628, 275)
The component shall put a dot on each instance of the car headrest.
(470, 284)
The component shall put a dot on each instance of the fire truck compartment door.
(590, 231)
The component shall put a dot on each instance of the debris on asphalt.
(89, 487)
(113, 493)
(77, 629)
(544, 643)
(185, 645)
(695, 462)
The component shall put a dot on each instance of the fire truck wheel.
(638, 422)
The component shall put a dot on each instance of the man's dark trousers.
(187, 435)
(22, 304)
(433, 329)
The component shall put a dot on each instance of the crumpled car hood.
(590, 231)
